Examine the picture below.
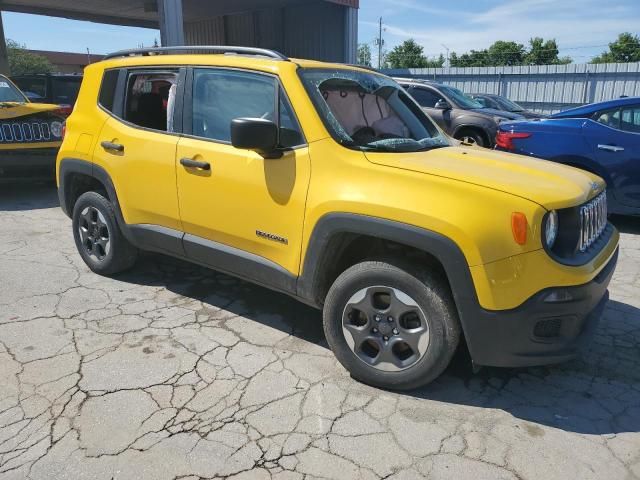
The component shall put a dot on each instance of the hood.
(549, 184)
(9, 110)
(497, 113)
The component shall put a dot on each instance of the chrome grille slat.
(593, 221)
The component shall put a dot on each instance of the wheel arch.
(336, 233)
(475, 128)
(70, 169)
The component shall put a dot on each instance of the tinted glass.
(34, 88)
(65, 90)
(610, 118)
(147, 99)
(108, 89)
(290, 132)
(425, 98)
(630, 119)
(221, 96)
(506, 104)
(459, 97)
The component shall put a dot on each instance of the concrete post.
(4, 59)
(351, 35)
(171, 23)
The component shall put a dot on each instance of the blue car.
(603, 138)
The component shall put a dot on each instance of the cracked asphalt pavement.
(174, 371)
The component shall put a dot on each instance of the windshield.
(461, 98)
(9, 93)
(508, 105)
(370, 112)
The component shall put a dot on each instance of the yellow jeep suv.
(30, 134)
(327, 182)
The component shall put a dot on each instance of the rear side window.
(108, 89)
(149, 97)
(630, 119)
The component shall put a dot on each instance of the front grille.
(593, 221)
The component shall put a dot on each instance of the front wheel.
(471, 137)
(391, 325)
(98, 238)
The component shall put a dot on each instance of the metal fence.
(542, 88)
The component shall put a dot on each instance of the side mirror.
(257, 134)
(442, 104)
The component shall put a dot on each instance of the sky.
(582, 28)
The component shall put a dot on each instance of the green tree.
(506, 53)
(22, 61)
(544, 53)
(364, 55)
(624, 50)
(406, 55)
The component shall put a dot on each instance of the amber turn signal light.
(519, 227)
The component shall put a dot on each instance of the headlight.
(56, 129)
(551, 228)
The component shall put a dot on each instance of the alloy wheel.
(94, 233)
(385, 328)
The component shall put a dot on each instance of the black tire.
(120, 255)
(473, 135)
(429, 291)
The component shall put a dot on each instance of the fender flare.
(70, 166)
(445, 250)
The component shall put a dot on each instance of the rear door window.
(150, 95)
(630, 119)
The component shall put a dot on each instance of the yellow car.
(30, 135)
(328, 183)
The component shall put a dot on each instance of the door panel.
(136, 145)
(242, 201)
(618, 152)
(243, 197)
(143, 173)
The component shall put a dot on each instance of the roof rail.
(200, 49)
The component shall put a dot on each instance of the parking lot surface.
(174, 371)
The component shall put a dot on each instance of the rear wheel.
(98, 238)
(391, 325)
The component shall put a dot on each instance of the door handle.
(191, 163)
(116, 147)
(611, 148)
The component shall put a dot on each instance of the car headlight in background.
(551, 228)
(56, 129)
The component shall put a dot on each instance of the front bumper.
(540, 331)
(28, 163)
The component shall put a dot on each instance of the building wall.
(316, 30)
(543, 88)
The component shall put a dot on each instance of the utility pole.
(380, 43)
(447, 64)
